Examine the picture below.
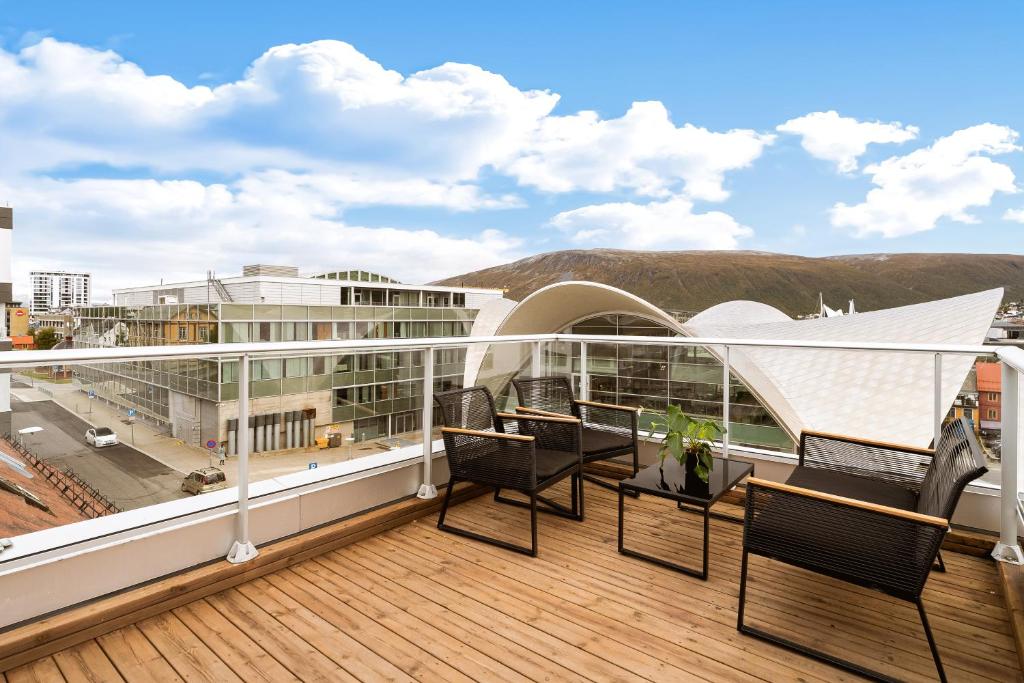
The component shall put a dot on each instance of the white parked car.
(101, 436)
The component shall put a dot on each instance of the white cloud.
(941, 181)
(670, 224)
(1014, 215)
(137, 231)
(160, 177)
(842, 139)
(642, 151)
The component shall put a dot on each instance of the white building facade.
(54, 290)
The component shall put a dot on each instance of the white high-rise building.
(54, 290)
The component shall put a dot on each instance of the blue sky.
(426, 139)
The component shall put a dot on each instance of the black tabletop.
(671, 481)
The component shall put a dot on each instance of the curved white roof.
(878, 395)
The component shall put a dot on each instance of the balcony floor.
(416, 603)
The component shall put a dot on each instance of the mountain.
(695, 280)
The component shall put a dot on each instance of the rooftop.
(409, 602)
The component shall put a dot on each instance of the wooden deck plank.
(192, 658)
(311, 625)
(425, 636)
(649, 657)
(521, 644)
(43, 670)
(789, 614)
(244, 656)
(413, 603)
(298, 656)
(86, 662)
(135, 657)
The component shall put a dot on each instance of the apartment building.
(53, 290)
(6, 297)
(364, 396)
(989, 394)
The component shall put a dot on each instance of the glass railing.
(316, 411)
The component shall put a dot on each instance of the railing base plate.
(1011, 554)
(427, 491)
(242, 552)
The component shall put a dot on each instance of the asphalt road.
(130, 478)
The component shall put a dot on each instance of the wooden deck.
(415, 603)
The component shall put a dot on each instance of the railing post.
(536, 367)
(242, 550)
(584, 373)
(427, 488)
(937, 405)
(725, 403)
(1008, 548)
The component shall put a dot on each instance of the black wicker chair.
(872, 514)
(609, 430)
(523, 453)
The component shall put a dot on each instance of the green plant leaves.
(686, 437)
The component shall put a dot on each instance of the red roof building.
(989, 394)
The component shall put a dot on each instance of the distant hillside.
(695, 280)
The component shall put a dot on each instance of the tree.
(46, 338)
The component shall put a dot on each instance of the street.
(126, 476)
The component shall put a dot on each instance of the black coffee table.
(672, 483)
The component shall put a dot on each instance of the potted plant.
(688, 440)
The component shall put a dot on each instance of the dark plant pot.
(693, 482)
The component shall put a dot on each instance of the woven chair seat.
(599, 441)
(550, 463)
(853, 486)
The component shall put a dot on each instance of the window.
(319, 365)
(266, 369)
(295, 367)
(991, 413)
(993, 396)
(459, 299)
(969, 413)
(204, 334)
(182, 333)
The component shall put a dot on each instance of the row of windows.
(273, 332)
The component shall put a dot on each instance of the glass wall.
(655, 376)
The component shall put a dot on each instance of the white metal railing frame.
(1008, 549)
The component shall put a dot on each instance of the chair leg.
(743, 592)
(939, 566)
(533, 523)
(575, 495)
(579, 483)
(444, 506)
(931, 640)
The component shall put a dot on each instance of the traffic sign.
(211, 443)
(312, 465)
(92, 394)
(131, 412)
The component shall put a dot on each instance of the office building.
(362, 396)
(53, 290)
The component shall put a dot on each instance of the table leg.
(700, 574)
(622, 510)
(707, 517)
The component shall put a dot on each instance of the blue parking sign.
(312, 465)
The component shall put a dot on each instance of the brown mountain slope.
(695, 280)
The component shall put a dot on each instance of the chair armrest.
(537, 411)
(608, 406)
(485, 435)
(908, 515)
(540, 417)
(864, 543)
(902, 465)
(609, 417)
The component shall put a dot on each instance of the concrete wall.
(322, 401)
